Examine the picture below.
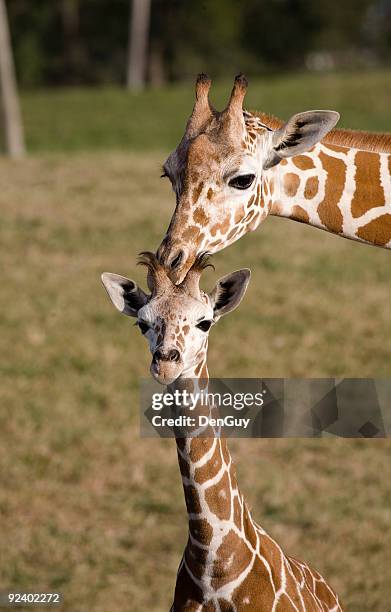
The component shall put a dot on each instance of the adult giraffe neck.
(343, 190)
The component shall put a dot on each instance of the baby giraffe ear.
(229, 291)
(126, 296)
(299, 134)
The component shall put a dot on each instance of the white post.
(138, 44)
(11, 115)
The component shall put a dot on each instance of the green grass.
(90, 119)
(86, 505)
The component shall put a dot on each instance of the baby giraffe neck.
(230, 564)
(221, 536)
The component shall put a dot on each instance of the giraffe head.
(217, 172)
(176, 319)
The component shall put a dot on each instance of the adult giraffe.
(230, 563)
(233, 168)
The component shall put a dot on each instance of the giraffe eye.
(144, 327)
(204, 325)
(243, 181)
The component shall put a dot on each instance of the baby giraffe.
(230, 564)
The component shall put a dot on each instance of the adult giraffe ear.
(229, 291)
(126, 296)
(299, 134)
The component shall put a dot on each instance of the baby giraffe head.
(176, 319)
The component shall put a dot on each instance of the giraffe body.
(234, 168)
(230, 564)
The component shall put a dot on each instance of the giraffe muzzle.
(176, 259)
(170, 355)
(167, 365)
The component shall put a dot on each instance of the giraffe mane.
(271, 121)
(377, 142)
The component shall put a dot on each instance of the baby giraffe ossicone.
(230, 564)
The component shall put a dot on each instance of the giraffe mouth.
(177, 259)
(177, 276)
(166, 372)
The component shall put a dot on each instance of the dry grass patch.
(89, 508)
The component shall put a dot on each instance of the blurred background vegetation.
(86, 505)
(81, 80)
(80, 42)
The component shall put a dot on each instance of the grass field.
(86, 506)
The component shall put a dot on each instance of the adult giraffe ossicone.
(233, 168)
(230, 564)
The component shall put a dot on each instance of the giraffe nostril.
(157, 356)
(161, 253)
(174, 355)
(176, 260)
(171, 355)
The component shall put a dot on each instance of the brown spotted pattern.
(369, 191)
(344, 191)
(329, 211)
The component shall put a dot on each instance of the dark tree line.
(60, 42)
